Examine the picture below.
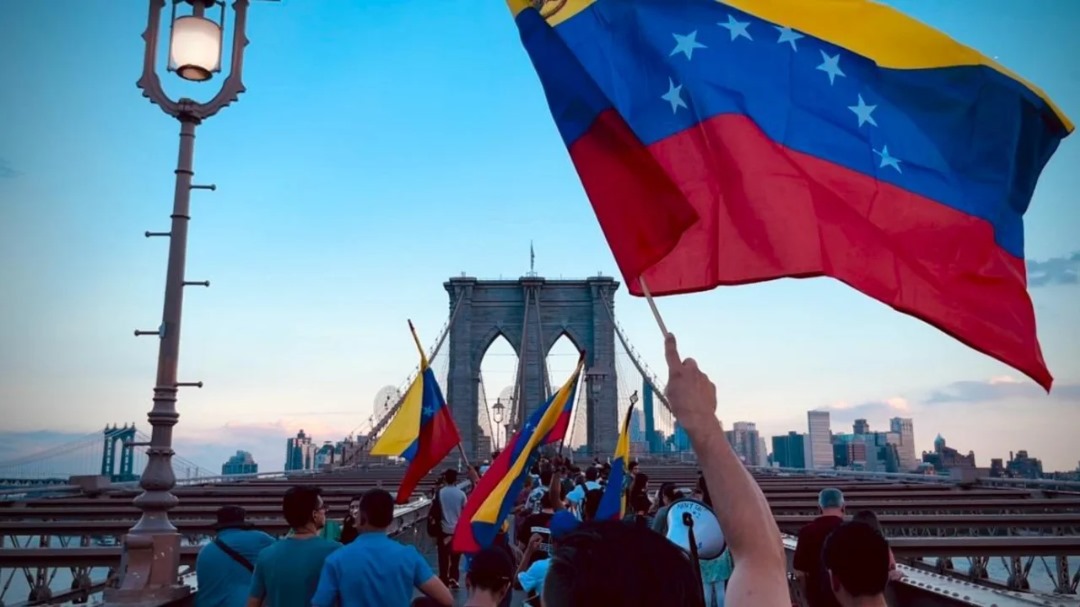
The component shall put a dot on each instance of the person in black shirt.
(807, 562)
(537, 524)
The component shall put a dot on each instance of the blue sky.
(382, 147)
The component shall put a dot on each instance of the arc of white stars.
(831, 66)
(788, 35)
(887, 159)
(864, 112)
(737, 28)
(674, 96)
(686, 45)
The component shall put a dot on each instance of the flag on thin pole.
(422, 431)
(771, 139)
(613, 503)
(488, 505)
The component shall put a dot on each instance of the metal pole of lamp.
(149, 568)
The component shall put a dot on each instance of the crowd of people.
(713, 545)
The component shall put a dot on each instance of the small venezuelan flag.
(488, 505)
(732, 142)
(423, 431)
(613, 503)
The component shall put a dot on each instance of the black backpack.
(434, 517)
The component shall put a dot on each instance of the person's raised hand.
(691, 395)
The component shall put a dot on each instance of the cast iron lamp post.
(497, 416)
(149, 571)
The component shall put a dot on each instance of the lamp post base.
(148, 572)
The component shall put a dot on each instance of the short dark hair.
(867, 517)
(858, 556)
(545, 476)
(451, 476)
(377, 508)
(592, 503)
(299, 505)
(490, 569)
(612, 563)
(591, 473)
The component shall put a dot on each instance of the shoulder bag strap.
(236, 556)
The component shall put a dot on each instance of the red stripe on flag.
(769, 212)
(437, 439)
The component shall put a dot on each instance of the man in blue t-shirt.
(374, 569)
(223, 568)
(287, 573)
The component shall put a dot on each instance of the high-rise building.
(861, 427)
(821, 450)
(763, 452)
(790, 451)
(241, 463)
(679, 440)
(905, 427)
(324, 456)
(299, 453)
(746, 442)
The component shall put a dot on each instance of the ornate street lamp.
(497, 416)
(151, 561)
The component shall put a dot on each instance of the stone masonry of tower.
(576, 308)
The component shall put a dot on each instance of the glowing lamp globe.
(195, 50)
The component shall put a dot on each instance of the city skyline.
(378, 151)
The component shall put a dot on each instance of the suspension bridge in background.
(113, 453)
(532, 314)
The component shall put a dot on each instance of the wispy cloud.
(999, 388)
(1063, 270)
(876, 410)
(7, 171)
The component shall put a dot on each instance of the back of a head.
(857, 556)
(377, 509)
(591, 474)
(592, 503)
(867, 517)
(299, 505)
(451, 476)
(490, 570)
(612, 563)
(830, 499)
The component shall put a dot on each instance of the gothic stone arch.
(489, 308)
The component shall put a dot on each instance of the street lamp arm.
(233, 85)
(149, 81)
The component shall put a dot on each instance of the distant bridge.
(111, 452)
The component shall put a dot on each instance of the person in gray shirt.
(452, 502)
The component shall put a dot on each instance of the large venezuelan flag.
(724, 143)
(487, 506)
(423, 431)
(613, 503)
